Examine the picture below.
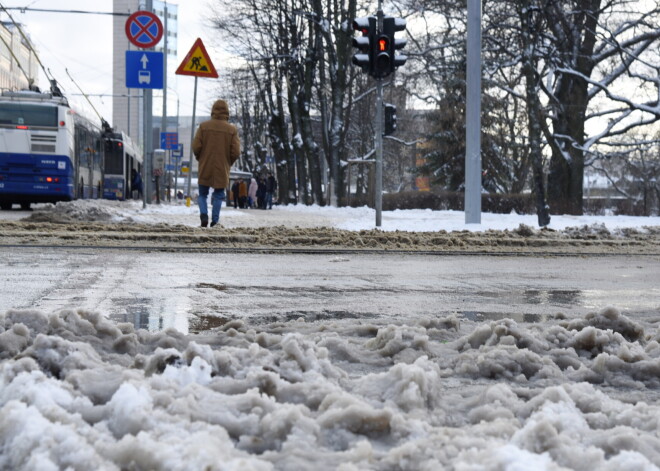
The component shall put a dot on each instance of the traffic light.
(367, 26)
(390, 119)
(390, 27)
(382, 57)
(377, 49)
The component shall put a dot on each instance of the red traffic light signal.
(383, 60)
(390, 27)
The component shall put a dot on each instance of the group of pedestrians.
(258, 195)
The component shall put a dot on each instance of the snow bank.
(352, 219)
(80, 392)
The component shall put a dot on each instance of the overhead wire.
(53, 83)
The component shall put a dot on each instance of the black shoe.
(205, 220)
(213, 224)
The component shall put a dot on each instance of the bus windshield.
(21, 114)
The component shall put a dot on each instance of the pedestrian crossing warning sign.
(197, 62)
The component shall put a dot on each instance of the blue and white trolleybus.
(48, 153)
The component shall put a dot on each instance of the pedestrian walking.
(242, 193)
(252, 193)
(271, 186)
(216, 147)
(136, 184)
(261, 193)
(234, 194)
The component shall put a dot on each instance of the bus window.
(114, 154)
(28, 115)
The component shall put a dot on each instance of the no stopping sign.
(144, 29)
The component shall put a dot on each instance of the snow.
(79, 391)
(352, 219)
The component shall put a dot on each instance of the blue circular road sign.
(144, 29)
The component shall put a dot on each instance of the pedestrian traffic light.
(390, 27)
(390, 119)
(367, 26)
(382, 57)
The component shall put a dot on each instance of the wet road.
(193, 292)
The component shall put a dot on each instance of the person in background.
(271, 186)
(136, 184)
(242, 193)
(252, 193)
(234, 193)
(261, 193)
(216, 147)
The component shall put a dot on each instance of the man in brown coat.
(216, 147)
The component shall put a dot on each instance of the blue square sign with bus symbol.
(144, 69)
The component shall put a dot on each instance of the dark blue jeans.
(216, 201)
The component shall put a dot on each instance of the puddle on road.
(217, 287)
(561, 297)
(190, 314)
(136, 311)
(478, 316)
(533, 297)
(197, 324)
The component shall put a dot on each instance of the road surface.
(196, 291)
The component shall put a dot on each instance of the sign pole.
(192, 136)
(198, 64)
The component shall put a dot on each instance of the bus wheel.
(25, 206)
(5, 206)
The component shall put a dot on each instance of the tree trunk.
(574, 39)
(534, 117)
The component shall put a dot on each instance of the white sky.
(82, 43)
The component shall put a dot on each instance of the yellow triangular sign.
(197, 62)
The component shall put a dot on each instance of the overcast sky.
(82, 43)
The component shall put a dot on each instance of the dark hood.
(220, 110)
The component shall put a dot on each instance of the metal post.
(145, 152)
(148, 135)
(473, 116)
(163, 118)
(192, 136)
(163, 121)
(379, 151)
(379, 133)
(177, 160)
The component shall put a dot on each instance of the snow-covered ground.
(353, 219)
(80, 392)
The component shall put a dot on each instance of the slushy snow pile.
(351, 219)
(80, 392)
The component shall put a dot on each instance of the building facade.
(18, 65)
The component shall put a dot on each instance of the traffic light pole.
(379, 151)
(377, 56)
(379, 133)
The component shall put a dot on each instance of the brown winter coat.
(216, 147)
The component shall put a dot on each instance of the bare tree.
(601, 55)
